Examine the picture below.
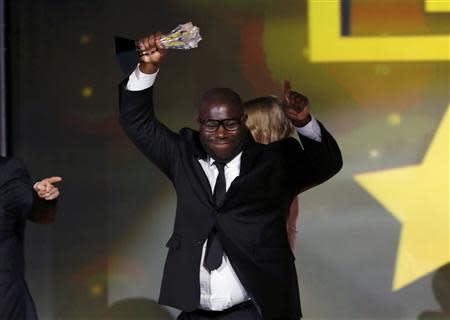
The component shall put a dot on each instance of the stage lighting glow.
(87, 92)
(374, 153)
(96, 290)
(394, 119)
(85, 39)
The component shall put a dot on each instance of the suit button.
(216, 213)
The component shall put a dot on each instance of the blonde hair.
(266, 120)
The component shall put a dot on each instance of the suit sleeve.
(313, 163)
(17, 194)
(152, 138)
(43, 211)
(16, 190)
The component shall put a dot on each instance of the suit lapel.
(202, 181)
(198, 179)
(250, 155)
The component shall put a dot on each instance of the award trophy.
(184, 37)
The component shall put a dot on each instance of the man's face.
(221, 144)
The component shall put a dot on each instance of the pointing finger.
(54, 179)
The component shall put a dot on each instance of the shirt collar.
(234, 163)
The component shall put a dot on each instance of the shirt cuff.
(138, 80)
(311, 130)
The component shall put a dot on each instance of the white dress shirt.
(221, 288)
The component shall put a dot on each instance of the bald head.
(220, 96)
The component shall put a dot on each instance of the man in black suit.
(19, 201)
(229, 255)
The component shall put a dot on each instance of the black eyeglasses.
(210, 125)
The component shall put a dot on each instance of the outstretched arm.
(137, 116)
(44, 204)
(18, 197)
(319, 157)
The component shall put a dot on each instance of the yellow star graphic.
(418, 196)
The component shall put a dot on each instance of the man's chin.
(221, 153)
(221, 157)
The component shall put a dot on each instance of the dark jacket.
(18, 203)
(250, 222)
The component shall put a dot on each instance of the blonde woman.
(267, 122)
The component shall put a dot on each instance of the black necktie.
(220, 187)
(214, 250)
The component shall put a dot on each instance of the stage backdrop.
(373, 242)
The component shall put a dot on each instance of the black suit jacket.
(250, 222)
(18, 203)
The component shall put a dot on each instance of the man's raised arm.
(137, 116)
(320, 153)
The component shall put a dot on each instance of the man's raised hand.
(151, 52)
(295, 106)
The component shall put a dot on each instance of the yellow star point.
(418, 196)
